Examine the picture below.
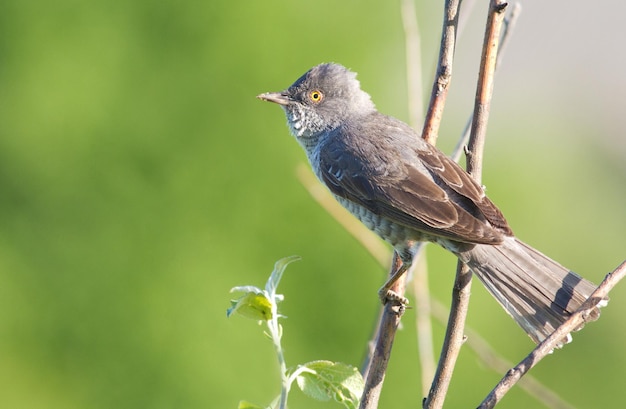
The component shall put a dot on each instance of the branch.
(454, 337)
(444, 72)
(547, 345)
(392, 312)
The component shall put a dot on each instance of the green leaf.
(323, 380)
(252, 305)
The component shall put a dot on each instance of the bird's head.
(321, 100)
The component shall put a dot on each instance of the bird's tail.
(536, 291)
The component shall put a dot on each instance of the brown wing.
(462, 183)
(421, 189)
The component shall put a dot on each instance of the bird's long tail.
(536, 291)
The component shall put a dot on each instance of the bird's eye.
(316, 96)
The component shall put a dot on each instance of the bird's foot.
(387, 295)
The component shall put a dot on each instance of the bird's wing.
(462, 183)
(430, 194)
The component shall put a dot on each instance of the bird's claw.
(386, 296)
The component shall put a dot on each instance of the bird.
(408, 191)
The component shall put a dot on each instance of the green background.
(140, 180)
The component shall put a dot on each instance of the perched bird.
(408, 191)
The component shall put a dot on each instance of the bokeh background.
(140, 180)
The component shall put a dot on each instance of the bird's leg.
(386, 294)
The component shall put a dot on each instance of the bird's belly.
(398, 235)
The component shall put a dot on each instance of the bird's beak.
(275, 97)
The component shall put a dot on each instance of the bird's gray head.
(321, 100)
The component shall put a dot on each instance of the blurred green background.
(140, 180)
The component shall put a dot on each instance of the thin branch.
(460, 295)
(547, 346)
(444, 71)
(392, 312)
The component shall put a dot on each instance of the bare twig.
(460, 295)
(392, 312)
(548, 345)
(444, 71)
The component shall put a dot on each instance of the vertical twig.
(444, 71)
(460, 299)
(375, 373)
(547, 345)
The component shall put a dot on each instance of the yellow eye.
(316, 96)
